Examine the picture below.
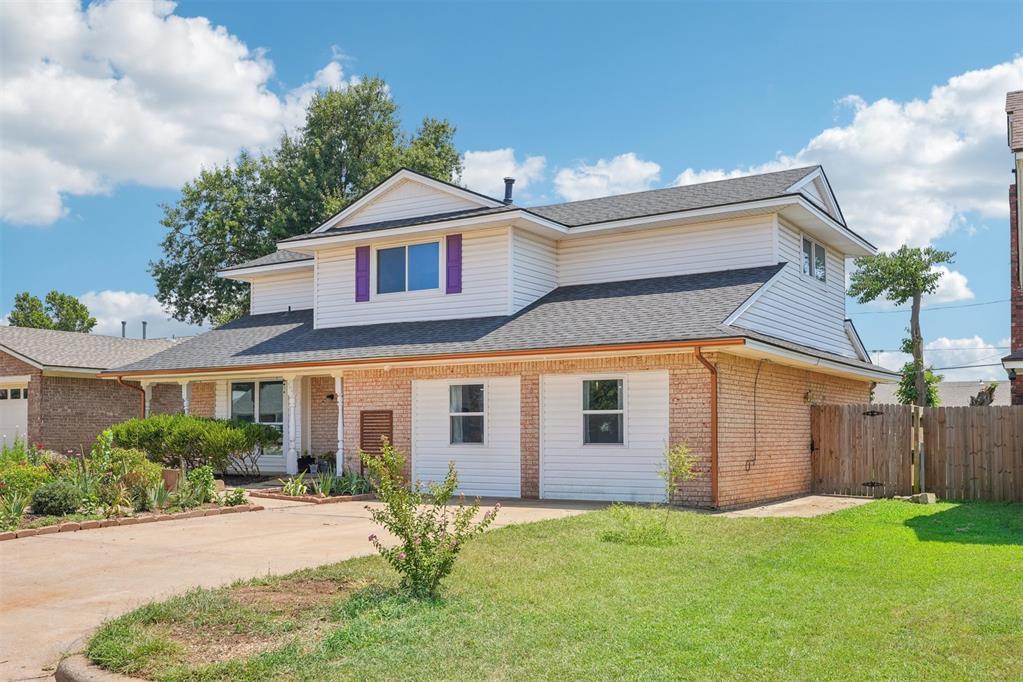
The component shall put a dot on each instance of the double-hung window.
(260, 402)
(603, 411)
(466, 413)
(415, 267)
(815, 260)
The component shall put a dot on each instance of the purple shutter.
(454, 264)
(361, 273)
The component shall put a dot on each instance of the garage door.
(13, 412)
(473, 423)
(603, 437)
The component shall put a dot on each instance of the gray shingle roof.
(275, 258)
(618, 207)
(71, 349)
(1018, 355)
(687, 307)
(672, 199)
(952, 393)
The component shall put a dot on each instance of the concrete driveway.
(55, 589)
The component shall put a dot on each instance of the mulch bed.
(72, 526)
(277, 494)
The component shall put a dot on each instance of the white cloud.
(953, 286)
(123, 92)
(485, 171)
(946, 352)
(624, 173)
(908, 172)
(111, 307)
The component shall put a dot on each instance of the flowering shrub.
(430, 533)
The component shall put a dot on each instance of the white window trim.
(375, 264)
(814, 244)
(583, 412)
(255, 399)
(486, 405)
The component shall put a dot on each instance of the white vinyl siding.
(485, 285)
(571, 470)
(407, 200)
(276, 293)
(679, 250)
(534, 268)
(489, 469)
(799, 308)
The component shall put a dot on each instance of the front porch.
(304, 407)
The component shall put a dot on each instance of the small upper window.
(408, 268)
(15, 394)
(3, 394)
(466, 413)
(603, 411)
(815, 260)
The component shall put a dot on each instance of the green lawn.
(889, 590)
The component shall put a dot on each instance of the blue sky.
(572, 98)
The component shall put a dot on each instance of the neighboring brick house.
(51, 392)
(1013, 363)
(553, 351)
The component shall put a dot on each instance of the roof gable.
(816, 188)
(408, 194)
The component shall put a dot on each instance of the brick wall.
(689, 416)
(204, 399)
(71, 412)
(165, 399)
(764, 426)
(1016, 306)
(322, 416)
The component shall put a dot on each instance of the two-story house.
(550, 351)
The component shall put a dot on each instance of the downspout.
(713, 425)
(142, 396)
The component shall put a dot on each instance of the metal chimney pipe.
(124, 329)
(508, 182)
(144, 323)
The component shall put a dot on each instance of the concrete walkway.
(55, 589)
(804, 507)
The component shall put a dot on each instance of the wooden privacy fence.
(967, 453)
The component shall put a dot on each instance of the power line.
(927, 310)
(941, 350)
(993, 364)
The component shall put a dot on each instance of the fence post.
(921, 454)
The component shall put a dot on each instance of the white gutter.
(805, 358)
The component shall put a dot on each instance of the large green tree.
(350, 141)
(61, 311)
(901, 276)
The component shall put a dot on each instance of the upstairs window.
(466, 413)
(815, 260)
(603, 412)
(415, 267)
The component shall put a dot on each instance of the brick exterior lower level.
(763, 421)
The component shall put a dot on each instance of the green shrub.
(203, 484)
(637, 526)
(156, 497)
(352, 483)
(22, 479)
(56, 498)
(430, 533)
(234, 497)
(294, 486)
(12, 509)
(176, 440)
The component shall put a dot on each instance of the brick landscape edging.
(276, 494)
(73, 526)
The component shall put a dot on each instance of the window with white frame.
(815, 260)
(260, 402)
(603, 412)
(466, 413)
(415, 267)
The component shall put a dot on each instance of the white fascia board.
(515, 217)
(829, 196)
(880, 375)
(1012, 364)
(856, 341)
(396, 179)
(837, 226)
(737, 313)
(243, 274)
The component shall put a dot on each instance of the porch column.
(186, 397)
(291, 442)
(147, 389)
(339, 454)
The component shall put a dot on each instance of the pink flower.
(417, 541)
(401, 555)
(497, 506)
(372, 537)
